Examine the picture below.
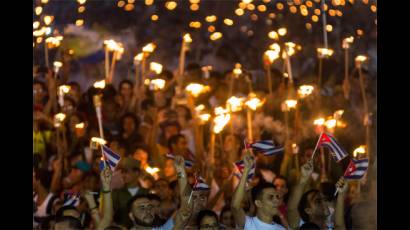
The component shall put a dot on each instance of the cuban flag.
(188, 163)
(71, 199)
(110, 157)
(356, 169)
(336, 150)
(240, 166)
(267, 147)
(200, 184)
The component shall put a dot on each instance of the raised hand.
(106, 176)
(342, 185)
(179, 163)
(306, 171)
(248, 160)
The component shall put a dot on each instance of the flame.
(187, 38)
(64, 88)
(234, 104)
(360, 58)
(158, 83)
(271, 55)
(196, 89)
(79, 125)
(338, 114)
(319, 122)
(273, 35)
(57, 64)
(347, 41)
(99, 84)
(341, 124)
(290, 49)
(211, 18)
(220, 122)
(323, 52)
(204, 117)
(151, 171)
(48, 19)
(199, 108)
(98, 140)
(149, 48)
(330, 123)
(138, 57)
(359, 150)
(305, 90)
(220, 110)
(113, 45)
(60, 117)
(54, 41)
(237, 70)
(215, 36)
(275, 47)
(156, 67)
(291, 104)
(253, 102)
(282, 31)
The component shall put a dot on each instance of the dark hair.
(309, 226)
(188, 115)
(154, 197)
(304, 203)
(203, 214)
(173, 140)
(60, 211)
(286, 197)
(113, 227)
(72, 101)
(133, 117)
(226, 208)
(134, 198)
(73, 223)
(74, 84)
(43, 85)
(173, 184)
(147, 103)
(125, 81)
(258, 189)
(44, 177)
(328, 190)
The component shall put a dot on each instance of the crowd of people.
(161, 129)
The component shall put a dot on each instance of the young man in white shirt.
(265, 198)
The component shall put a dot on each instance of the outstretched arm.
(237, 211)
(108, 210)
(293, 215)
(339, 212)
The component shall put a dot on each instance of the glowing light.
(237, 70)
(228, 22)
(220, 122)
(155, 67)
(79, 22)
(211, 18)
(359, 32)
(99, 84)
(271, 55)
(324, 53)
(149, 2)
(291, 104)
(329, 28)
(48, 19)
(38, 10)
(239, 12)
(305, 90)
(99, 140)
(273, 35)
(215, 36)
(317, 12)
(44, 1)
(319, 121)
(195, 24)
(36, 24)
(149, 48)
(194, 1)
(315, 18)
(293, 9)
(187, 38)
(151, 171)
(204, 117)
(211, 29)
(247, 1)
(158, 83)
(154, 17)
(360, 58)
(54, 41)
(359, 150)
(330, 124)
(250, 7)
(171, 5)
(121, 4)
(196, 89)
(347, 41)
(129, 7)
(64, 88)
(275, 47)
(199, 108)
(338, 114)
(220, 110)
(81, 9)
(194, 7)
(262, 8)
(282, 31)
(279, 6)
(235, 104)
(80, 125)
(308, 26)
(81, 1)
(253, 102)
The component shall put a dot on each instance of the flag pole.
(314, 151)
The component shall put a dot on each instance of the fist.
(342, 185)
(106, 176)
(307, 169)
(248, 160)
(179, 163)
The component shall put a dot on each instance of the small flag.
(336, 150)
(356, 169)
(240, 166)
(71, 199)
(188, 163)
(200, 184)
(111, 157)
(267, 147)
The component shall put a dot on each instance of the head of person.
(281, 185)
(162, 189)
(265, 198)
(207, 219)
(312, 206)
(73, 120)
(130, 170)
(91, 181)
(200, 199)
(141, 155)
(232, 143)
(141, 211)
(178, 144)
(226, 217)
(75, 91)
(183, 112)
(67, 223)
(328, 190)
(41, 179)
(169, 169)
(125, 88)
(160, 99)
(170, 128)
(79, 170)
(39, 92)
(156, 203)
(68, 210)
(70, 106)
(129, 123)
(224, 170)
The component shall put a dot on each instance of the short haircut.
(134, 198)
(73, 223)
(133, 117)
(125, 81)
(328, 190)
(304, 203)
(152, 196)
(309, 226)
(226, 208)
(258, 189)
(204, 213)
(174, 139)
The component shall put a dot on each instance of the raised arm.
(237, 211)
(108, 210)
(297, 192)
(92, 207)
(340, 204)
(179, 164)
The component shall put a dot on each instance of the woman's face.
(68, 107)
(73, 121)
(126, 90)
(169, 169)
(209, 222)
(229, 144)
(128, 125)
(141, 156)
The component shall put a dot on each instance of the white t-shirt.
(255, 223)
(133, 191)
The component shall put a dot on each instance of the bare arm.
(108, 210)
(181, 174)
(293, 214)
(93, 207)
(56, 179)
(237, 211)
(339, 212)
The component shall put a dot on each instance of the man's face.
(281, 187)
(209, 223)
(318, 206)
(169, 169)
(156, 204)
(129, 125)
(126, 90)
(129, 176)
(68, 107)
(269, 201)
(227, 219)
(200, 198)
(142, 212)
(141, 156)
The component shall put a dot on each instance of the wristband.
(103, 191)
(180, 175)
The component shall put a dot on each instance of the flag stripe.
(111, 153)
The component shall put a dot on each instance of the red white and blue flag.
(200, 184)
(71, 199)
(111, 158)
(188, 163)
(356, 169)
(336, 150)
(267, 147)
(240, 167)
